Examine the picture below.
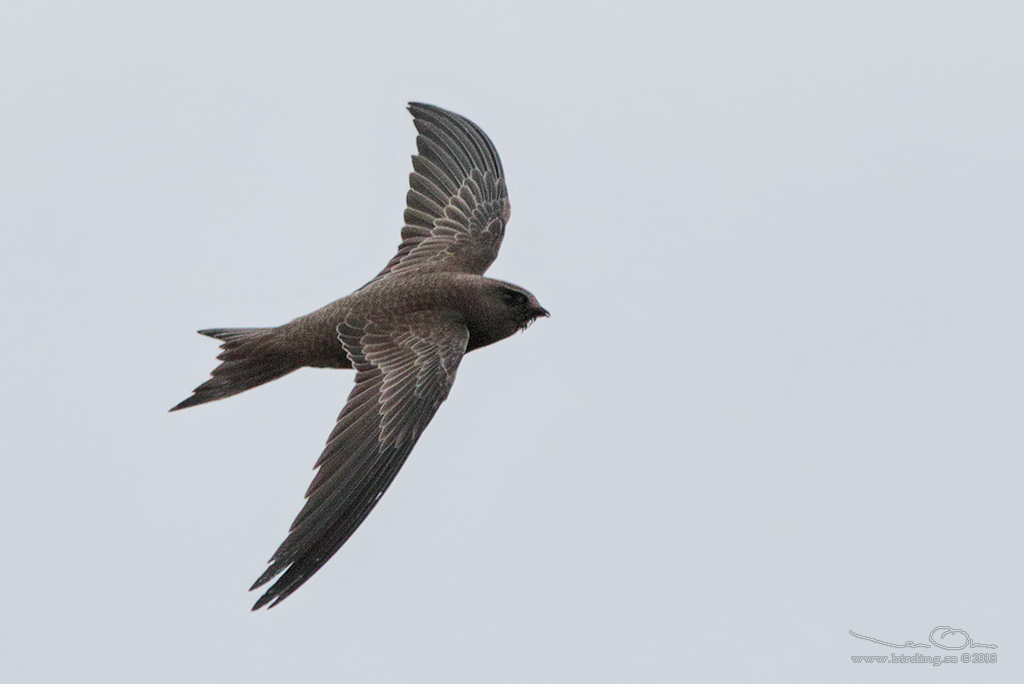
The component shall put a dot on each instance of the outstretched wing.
(404, 371)
(457, 205)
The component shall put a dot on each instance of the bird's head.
(519, 305)
(499, 310)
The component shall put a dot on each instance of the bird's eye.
(513, 298)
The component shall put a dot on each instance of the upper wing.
(404, 371)
(457, 205)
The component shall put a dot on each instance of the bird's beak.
(541, 311)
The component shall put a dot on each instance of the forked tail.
(251, 357)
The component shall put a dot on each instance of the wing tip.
(431, 115)
(419, 109)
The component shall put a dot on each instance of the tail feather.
(235, 334)
(249, 358)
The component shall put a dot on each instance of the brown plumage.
(404, 332)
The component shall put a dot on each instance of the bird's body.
(404, 332)
(455, 294)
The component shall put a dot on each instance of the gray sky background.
(779, 397)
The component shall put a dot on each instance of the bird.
(404, 333)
